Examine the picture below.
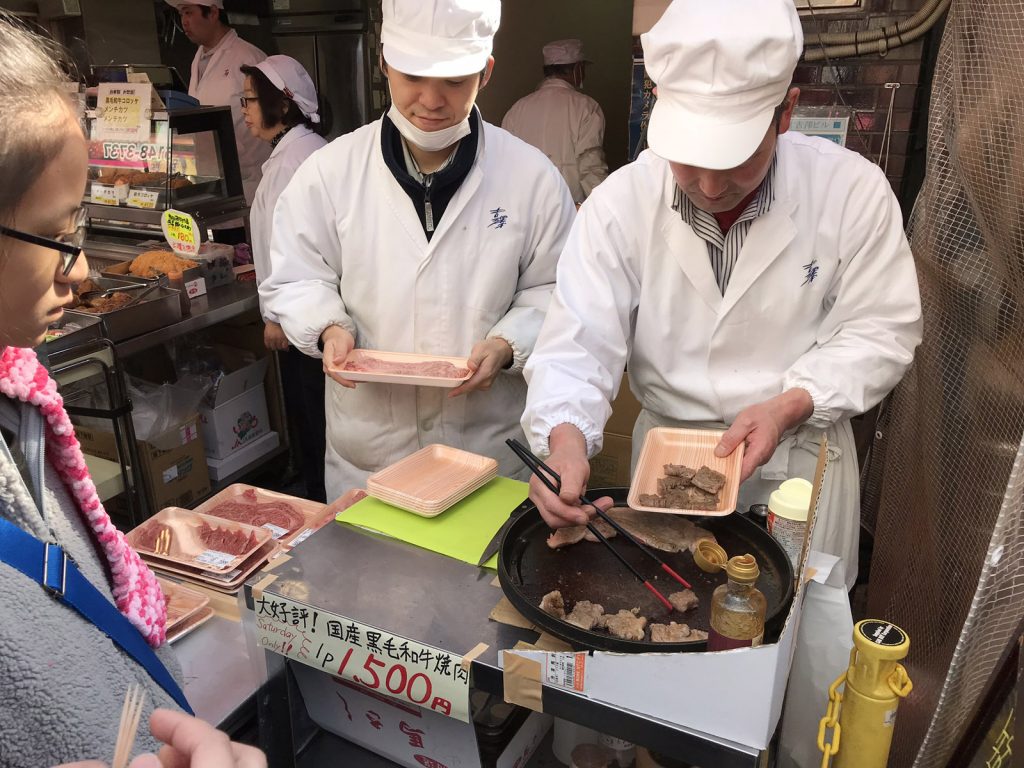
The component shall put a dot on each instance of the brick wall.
(861, 83)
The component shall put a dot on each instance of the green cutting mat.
(463, 531)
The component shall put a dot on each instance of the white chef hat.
(291, 78)
(564, 52)
(439, 38)
(212, 3)
(721, 69)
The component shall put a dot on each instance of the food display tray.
(229, 582)
(182, 602)
(157, 310)
(694, 448)
(185, 547)
(316, 514)
(432, 479)
(89, 327)
(401, 378)
(188, 627)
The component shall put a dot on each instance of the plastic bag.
(157, 408)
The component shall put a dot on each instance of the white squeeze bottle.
(788, 508)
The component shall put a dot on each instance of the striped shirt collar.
(724, 247)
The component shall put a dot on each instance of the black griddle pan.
(528, 569)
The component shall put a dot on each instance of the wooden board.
(694, 448)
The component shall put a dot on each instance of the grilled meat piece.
(585, 614)
(684, 601)
(553, 604)
(681, 471)
(669, 533)
(709, 480)
(676, 633)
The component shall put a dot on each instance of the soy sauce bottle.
(737, 607)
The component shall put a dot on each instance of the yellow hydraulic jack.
(862, 717)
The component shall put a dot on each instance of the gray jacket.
(62, 681)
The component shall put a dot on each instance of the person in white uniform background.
(561, 121)
(280, 107)
(217, 81)
(750, 277)
(428, 231)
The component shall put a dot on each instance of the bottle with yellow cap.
(863, 715)
(737, 607)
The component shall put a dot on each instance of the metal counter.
(218, 305)
(444, 603)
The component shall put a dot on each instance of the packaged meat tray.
(373, 365)
(290, 520)
(228, 582)
(432, 479)
(182, 602)
(190, 625)
(678, 473)
(198, 541)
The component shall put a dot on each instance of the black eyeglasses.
(244, 100)
(69, 246)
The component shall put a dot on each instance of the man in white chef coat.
(561, 121)
(217, 79)
(750, 277)
(428, 231)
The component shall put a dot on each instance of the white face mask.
(430, 141)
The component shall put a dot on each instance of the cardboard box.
(752, 680)
(611, 467)
(403, 733)
(172, 466)
(235, 423)
(223, 468)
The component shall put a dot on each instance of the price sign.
(122, 112)
(104, 194)
(566, 670)
(181, 232)
(142, 198)
(378, 660)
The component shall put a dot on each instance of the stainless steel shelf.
(218, 305)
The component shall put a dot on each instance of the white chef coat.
(824, 296)
(568, 127)
(295, 146)
(348, 249)
(221, 85)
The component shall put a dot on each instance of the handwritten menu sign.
(378, 660)
(181, 232)
(122, 112)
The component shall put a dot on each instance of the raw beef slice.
(669, 533)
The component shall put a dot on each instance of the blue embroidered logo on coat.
(498, 218)
(810, 272)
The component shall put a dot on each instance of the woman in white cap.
(428, 231)
(750, 277)
(280, 107)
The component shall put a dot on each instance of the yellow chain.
(831, 720)
(899, 682)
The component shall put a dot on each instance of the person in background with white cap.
(750, 277)
(563, 123)
(217, 81)
(428, 231)
(280, 107)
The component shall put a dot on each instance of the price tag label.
(122, 112)
(276, 532)
(225, 577)
(142, 198)
(215, 559)
(302, 537)
(381, 661)
(104, 194)
(566, 670)
(196, 287)
(181, 233)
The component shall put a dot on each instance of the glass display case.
(188, 162)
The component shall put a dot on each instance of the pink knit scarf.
(137, 593)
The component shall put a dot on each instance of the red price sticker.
(380, 661)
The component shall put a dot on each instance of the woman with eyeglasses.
(279, 105)
(83, 617)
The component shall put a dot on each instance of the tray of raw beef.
(373, 365)
(185, 537)
(290, 520)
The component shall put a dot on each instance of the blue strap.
(46, 564)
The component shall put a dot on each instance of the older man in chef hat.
(752, 279)
(561, 121)
(427, 232)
